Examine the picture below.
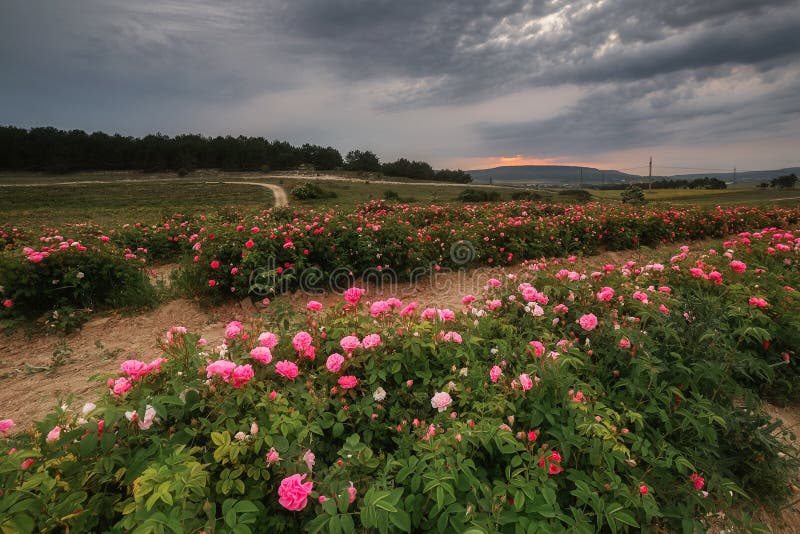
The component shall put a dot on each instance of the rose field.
(565, 392)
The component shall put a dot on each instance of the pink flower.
(538, 348)
(273, 456)
(25, 465)
(353, 295)
(758, 302)
(262, 354)
(309, 459)
(350, 343)
(294, 493)
(233, 329)
(215, 264)
(54, 434)
(268, 339)
(643, 489)
(8, 303)
(624, 343)
(697, 481)
(525, 381)
(378, 307)
(441, 400)
(452, 337)
(286, 369)
(553, 461)
(135, 369)
(446, 314)
(314, 306)
(6, 425)
(222, 368)
(738, 266)
(120, 386)
(408, 310)
(605, 294)
(663, 309)
(467, 300)
(494, 373)
(348, 382)
(352, 492)
(302, 341)
(371, 341)
(334, 362)
(588, 322)
(242, 375)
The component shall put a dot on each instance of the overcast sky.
(471, 84)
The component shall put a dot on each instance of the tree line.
(49, 149)
(698, 183)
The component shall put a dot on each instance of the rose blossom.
(273, 456)
(371, 341)
(286, 369)
(588, 322)
(350, 343)
(525, 381)
(494, 373)
(302, 341)
(268, 339)
(294, 493)
(353, 295)
(314, 306)
(233, 329)
(262, 354)
(6, 425)
(441, 400)
(334, 362)
(242, 375)
(352, 492)
(54, 434)
(348, 382)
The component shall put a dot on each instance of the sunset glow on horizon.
(491, 162)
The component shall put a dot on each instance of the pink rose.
(334, 362)
(262, 354)
(134, 368)
(738, 266)
(8, 303)
(286, 369)
(624, 343)
(758, 302)
(233, 329)
(273, 456)
(353, 295)
(348, 382)
(294, 493)
(605, 294)
(525, 381)
(371, 341)
(352, 492)
(310, 459)
(314, 306)
(441, 400)
(223, 368)
(268, 339)
(494, 373)
(242, 375)
(350, 343)
(120, 386)
(538, 348)
(468, 299)
(6, 425)
(302, 341)
(588, 322)
(54, 434)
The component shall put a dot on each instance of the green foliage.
(633, 195)
(68, 283)
(478, 195)
(310, 191)
(611, 434)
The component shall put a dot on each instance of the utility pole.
(734, 175)
(581, 169)
(650, 174)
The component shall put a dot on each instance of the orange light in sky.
(501, 161)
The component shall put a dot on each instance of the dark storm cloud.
(174, 65)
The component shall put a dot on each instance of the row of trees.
(786, 181)
(52, 150)
(698, 183)
(367, 161)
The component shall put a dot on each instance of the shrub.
(633, 195)
(478, 195)
(310, 191)
(564, 408)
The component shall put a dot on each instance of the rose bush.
(533, 421)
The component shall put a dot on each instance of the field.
(526, 366)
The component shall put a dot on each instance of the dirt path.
(281, 200)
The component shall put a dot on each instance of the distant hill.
(550, 174)
(570, 175)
